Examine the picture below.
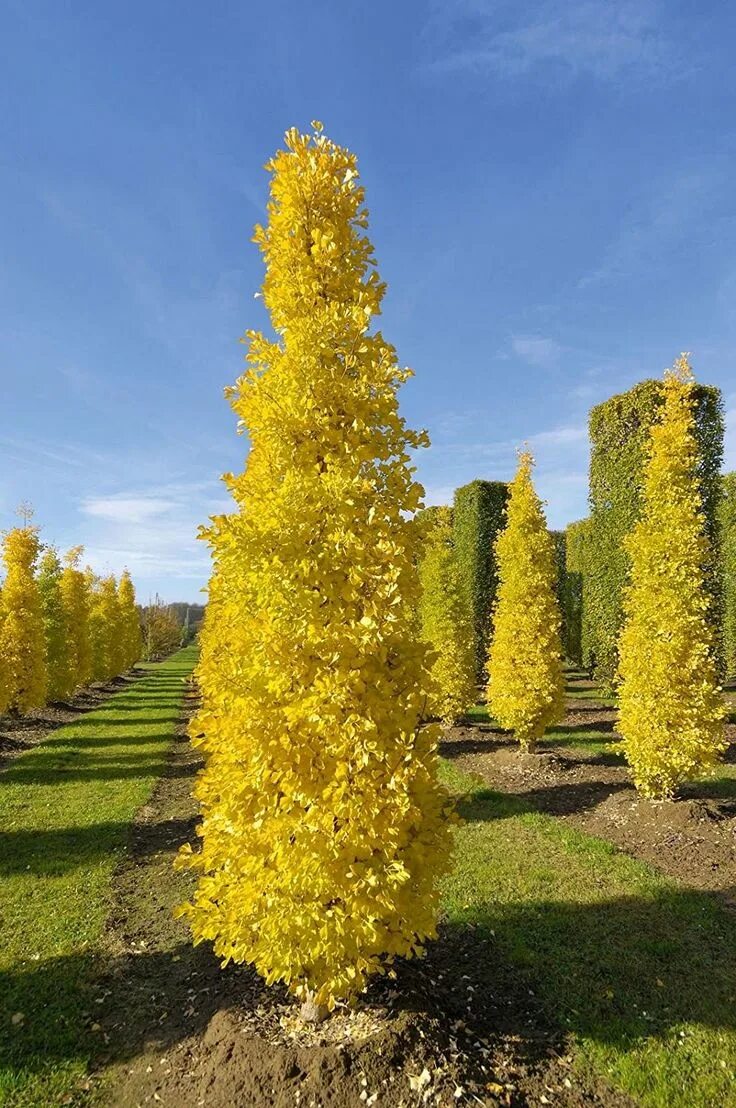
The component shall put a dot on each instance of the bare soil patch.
(20, 733)
(691, 838)
(458, 1027)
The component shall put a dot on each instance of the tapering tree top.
(681, 370)
(317, 256)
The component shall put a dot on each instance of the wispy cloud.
(597, 37)
(679, 210)
(459, 455)
(127, 509)
(536, 350)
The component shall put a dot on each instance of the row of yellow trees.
(60, 626)
(671, 708)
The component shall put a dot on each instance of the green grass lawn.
(641, 971)
(65, 810)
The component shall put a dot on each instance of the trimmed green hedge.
(619, 434)
(559, 540)
(479, 515)
(575, 553)
(727, 522)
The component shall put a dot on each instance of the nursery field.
(586, 950)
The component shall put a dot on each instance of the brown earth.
(20, 733)
(458, 1027)
(691, 838)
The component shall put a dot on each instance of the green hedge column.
(575, 551)
(727, 522)
(619, 434)
(559, 539)
(479, 515)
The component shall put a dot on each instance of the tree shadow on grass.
(559, 800)
(616, 972)
(61, 850)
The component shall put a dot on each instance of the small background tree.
(526, 684)
(444, 619)
(671, 710)
(161, 633)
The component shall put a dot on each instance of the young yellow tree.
(671, 709)
(160, 630)
(58, 654)
(526, 684)
(445, 620)
(324, 827)
(104, 623)
(130, 624)
(75, 596)
(22, 639)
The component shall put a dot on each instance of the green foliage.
(58, 657)
(575, 553)
(619, 433)
(479, 517)
(559, 540)
(727, 537)
(444, 622)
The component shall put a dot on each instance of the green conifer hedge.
(479, 514)
(727, 525)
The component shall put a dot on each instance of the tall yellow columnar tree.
(671, 709)
(526, 683)
(22, 639)
(445, 622)
(58, 655)
(104, 624)
(324, 827)
(130, 623)
(75, 595)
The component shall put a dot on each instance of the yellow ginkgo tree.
(23, 679)
(671, 708)
(526, 683)
(76, 599)
(323, 825)
(444, 619)
(58, 654)
(130, 645)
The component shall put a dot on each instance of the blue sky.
(552, 199)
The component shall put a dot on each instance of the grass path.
(641, 971)
(65, 811)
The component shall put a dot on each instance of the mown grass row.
(65, 811)
(640, 970)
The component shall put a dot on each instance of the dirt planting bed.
(19, 733)
(458, 1027)
(691, 838)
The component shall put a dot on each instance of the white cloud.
(536, 350)
(124, 509)
(598, 37)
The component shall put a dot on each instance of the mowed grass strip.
(65, 811)
(640, 970)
